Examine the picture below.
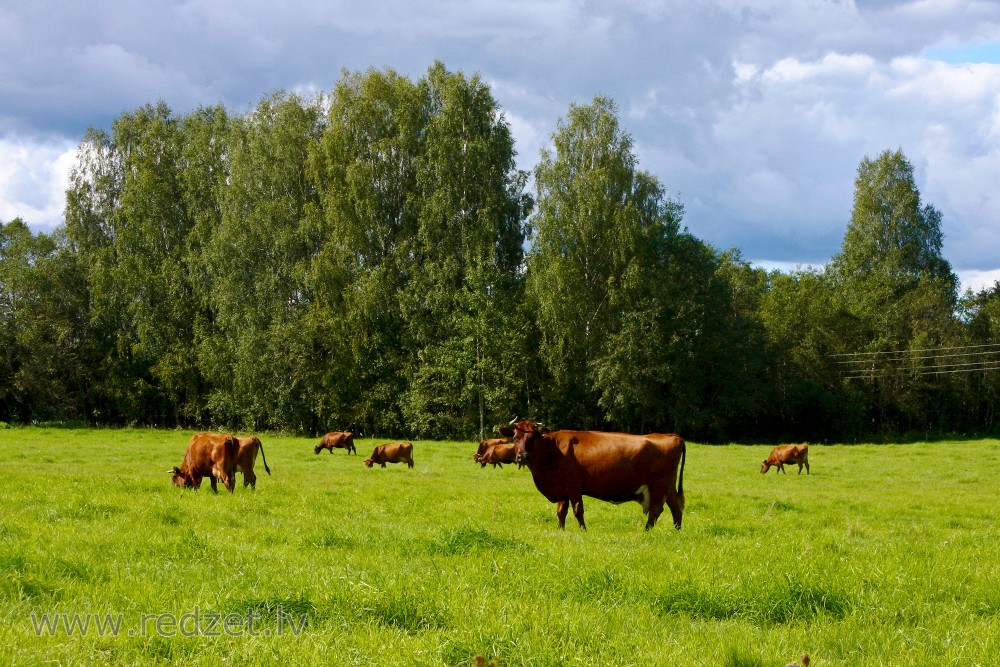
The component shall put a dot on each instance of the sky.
(753, 114)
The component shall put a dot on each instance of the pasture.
(884, 555)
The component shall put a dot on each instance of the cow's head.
(319, 448)
(764, 467)
(179, 478)
(524, 434)
(368, 463)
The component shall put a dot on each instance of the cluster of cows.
(565, 465)
(219, 456)
(390, 452)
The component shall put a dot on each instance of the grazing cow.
(616, 467)
(789, 454)
(337, 440)
(498, 455)
(391, 452)
(486, 444)
(211, 455)
(247, 456)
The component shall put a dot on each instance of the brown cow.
(211, 455)
(391, 452)
(247, 456)
(486, 444)
(616, 467)
(498, 455)
(337, 440)
(789, 454)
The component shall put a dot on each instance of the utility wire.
(911, 358)
(929, 349)
(855, 374)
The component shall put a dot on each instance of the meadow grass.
(884, 555)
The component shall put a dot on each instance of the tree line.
(372, 259)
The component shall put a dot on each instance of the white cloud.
(33, 180)
(800, 127)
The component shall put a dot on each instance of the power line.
(929, 349)
(972, 367)
(912, 358)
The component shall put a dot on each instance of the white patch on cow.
(644, 492)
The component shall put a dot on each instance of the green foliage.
(365, 261)
(891, 278)
(598, 274)
(892, 236)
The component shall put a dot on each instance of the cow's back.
(247, 454)
(397, 451)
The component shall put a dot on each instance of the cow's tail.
(680, 476)
(264, 458)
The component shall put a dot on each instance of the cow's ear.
(506, 432)
(545, 431)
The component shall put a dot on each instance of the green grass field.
(884, 555)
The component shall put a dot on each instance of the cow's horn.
(512, 421)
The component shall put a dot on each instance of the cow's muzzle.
(521, 460)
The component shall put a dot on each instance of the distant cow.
(616, 467)
(211, 455)
(789, 454)
(391, 452)
(337, 440)
(498, 455)
(247, 456)
(486, 444)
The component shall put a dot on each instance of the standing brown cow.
(486, 444)
(247, 456)
(789, 454)
(337, 440)
(391, 452)
(616, 467)
(498, 455)
(211, 455)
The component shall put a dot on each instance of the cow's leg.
(562, 507)
(215, 487)
(251, 479)
(409, 463)
(781, 467)
(578, 511)
(806, 461)
(655, 510)
(676, 504)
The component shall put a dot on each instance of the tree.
(46, 364)
(893, 242)
(890, 276)
(257, 259)
(596, 272)
(361, 244)
(470, 206)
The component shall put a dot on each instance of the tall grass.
(884, 555)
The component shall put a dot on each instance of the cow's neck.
(544, 458)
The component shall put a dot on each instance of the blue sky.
(754, 114)
(973, 52)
